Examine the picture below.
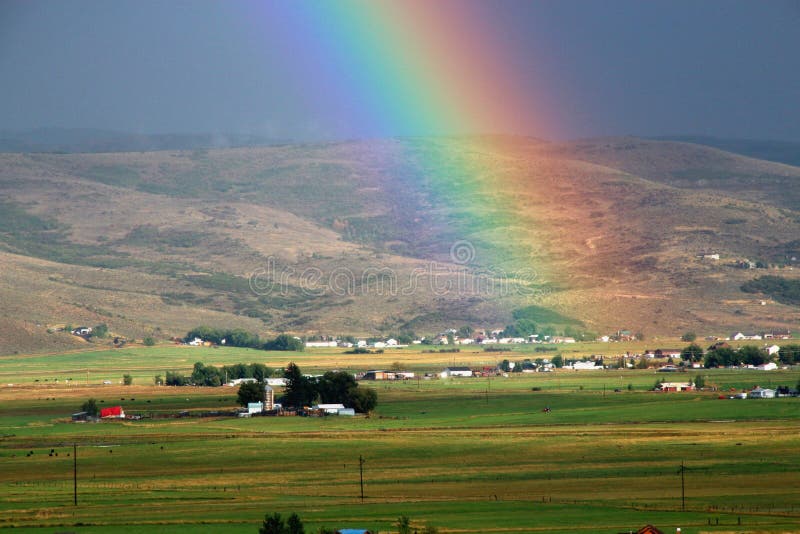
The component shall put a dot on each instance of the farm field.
(463, 455)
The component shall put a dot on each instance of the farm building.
(332, 409)
(240, 381)
(761, 393)
(378, 375)
(80, 416)
(113, 412)
(269, 398)
(585, 366)
(676, 386)
(281, 382)
(321, 344)
(455, 371)
(255, 407)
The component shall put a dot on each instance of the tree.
(250, 392)
(100, 331)
(158, 380)
(284, 342)
(299, 391)
(294, 525)
(363, 400)
(90, 407)
(149, 341)
(273, 524)
(689, 336)
(721, 357)
(558, 360)
(127, 380)
(334, 387)
(789, 354)
(175, 379)
(692, 353)
(753, 355)
(259, 371)
(465, 331)
(699, 382)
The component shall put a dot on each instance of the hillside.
(380, 236)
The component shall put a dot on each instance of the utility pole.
(361, 474)
(683, 487)
(75, 473)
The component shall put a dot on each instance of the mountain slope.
(381, 236)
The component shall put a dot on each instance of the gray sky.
(724, 68)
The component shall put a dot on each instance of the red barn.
(115, 412)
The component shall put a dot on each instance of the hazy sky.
(724, 68)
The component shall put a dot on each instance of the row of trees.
(241, 338)
(746, 355)
(209, 375)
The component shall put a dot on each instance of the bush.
(127, 380)
(149, 341)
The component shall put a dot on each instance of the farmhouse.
(761, 393)
(455, 371)
(667, 353)
(739, 336)
(113, 412)
(778, 334)
(676, 386)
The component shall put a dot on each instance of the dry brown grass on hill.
(611, 229)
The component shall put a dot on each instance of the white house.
(255, 407)
(321, 344)
(240, 381)
(761, 393)
(738, 336)
(774, 349)
(379, 345)
(455, 371)
(586, 366)
(676, 386)
(332, 409)
(391, 342)
(465, 341)
(276, 382)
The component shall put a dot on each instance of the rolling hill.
(380, 236)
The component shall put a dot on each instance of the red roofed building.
(114, 412)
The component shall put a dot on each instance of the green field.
(464, 455)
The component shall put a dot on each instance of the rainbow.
(416, 71)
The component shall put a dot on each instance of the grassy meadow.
(463, 455)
